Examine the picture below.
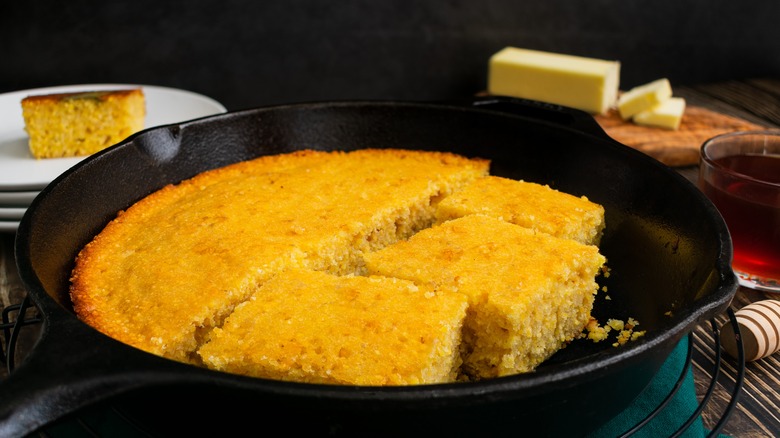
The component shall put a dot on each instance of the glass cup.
(740, 173)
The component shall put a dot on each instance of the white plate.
(11, 213)
(8, 226)
(9, 199)
(20, 171)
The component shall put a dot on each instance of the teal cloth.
(673, 416)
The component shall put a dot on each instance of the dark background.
(254, 53)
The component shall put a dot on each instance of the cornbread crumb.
(80, 124)
(615, 324)
(595, 332)
(625, 331)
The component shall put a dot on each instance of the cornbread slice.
(529, 293)
(529, 205)
(309, 326)
(79, 124)
(175, 264)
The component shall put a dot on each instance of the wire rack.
(16, 317)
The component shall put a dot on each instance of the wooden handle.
(759, 326)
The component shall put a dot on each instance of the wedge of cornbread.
(529, 293)
(309, 326)
(530, 205)
(172, 266)
(79, 124)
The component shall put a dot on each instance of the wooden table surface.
(757, 413)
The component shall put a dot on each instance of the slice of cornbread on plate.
(530, 205)
(529, 293)
(309, 326)
(175, 264)
(81, 123)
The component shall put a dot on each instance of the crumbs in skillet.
(626, 331)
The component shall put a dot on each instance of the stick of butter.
(583, 83)
(667, 115)
(643, 97)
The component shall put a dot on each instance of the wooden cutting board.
(674, 148)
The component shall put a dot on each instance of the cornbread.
(529, 205)
(529, 293)
(79, 124)
(314, 327)
(371, 267)
(174, 265)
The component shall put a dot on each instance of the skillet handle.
(55, 380)
(50, 383)
(542, 111)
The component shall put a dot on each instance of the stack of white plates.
(22, 177)
(17, 188)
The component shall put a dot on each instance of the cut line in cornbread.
(172, 266)
(529, 205)
(81, 123)
(529, 293)
(313, 327)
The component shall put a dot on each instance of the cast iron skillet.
(667, 247)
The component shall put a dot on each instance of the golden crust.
(103, 96)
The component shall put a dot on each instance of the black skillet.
(667, 247)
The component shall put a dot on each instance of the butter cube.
(666, 115)
(643, 97)
(587, 84)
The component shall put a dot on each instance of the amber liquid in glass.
(751, 212)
